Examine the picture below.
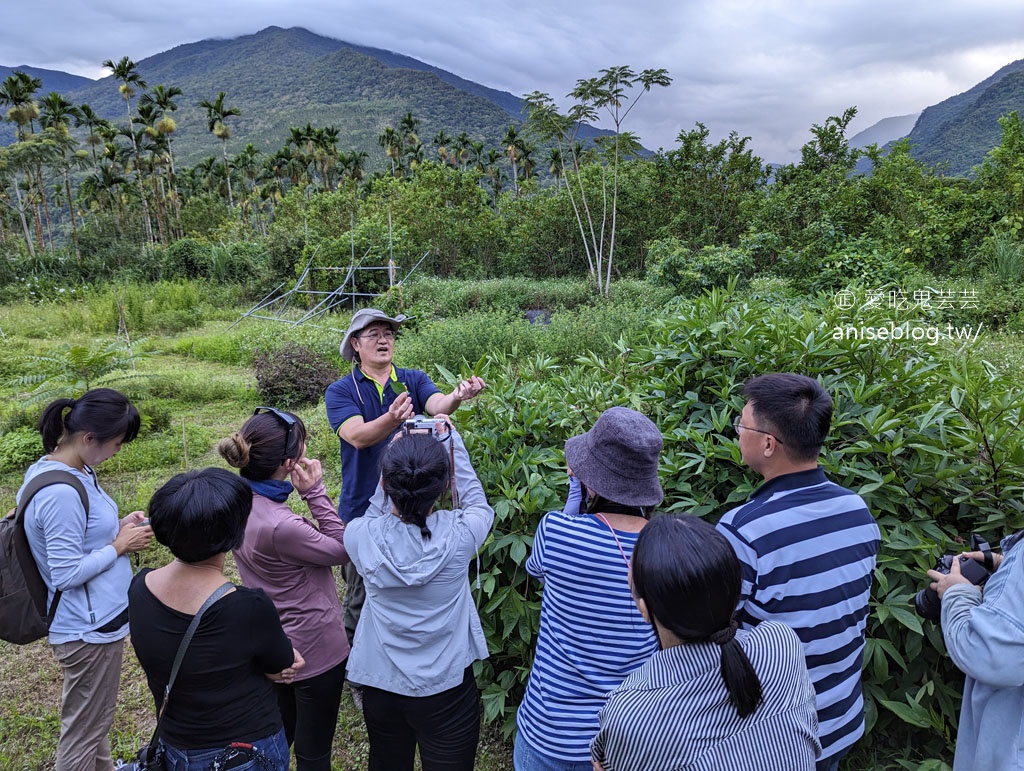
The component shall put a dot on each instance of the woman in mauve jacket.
(290, 558)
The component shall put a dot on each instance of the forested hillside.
(958, 132)
(282, 78)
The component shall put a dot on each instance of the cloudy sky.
(767, 69)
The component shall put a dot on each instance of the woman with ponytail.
(290, 559)
(713, 696)
(84, 554)
(419, 632)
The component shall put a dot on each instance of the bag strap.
(219, 592)
(615, 536)
(37, 483)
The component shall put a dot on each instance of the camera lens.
(928, 605)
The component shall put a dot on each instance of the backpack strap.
(37, 483)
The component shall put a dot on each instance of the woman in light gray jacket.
(84, 555)
(419, 633)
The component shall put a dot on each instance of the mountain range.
(284, 78)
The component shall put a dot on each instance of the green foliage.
(703, 187)
(432, 298)
(930, 437)
(70, 370)
(1007, 259)
(672, 263)
(19, 449)
(292, 376)
(187, 258)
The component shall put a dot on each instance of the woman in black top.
(223, 691)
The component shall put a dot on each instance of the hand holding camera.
(971, 568)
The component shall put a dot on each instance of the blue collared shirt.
(358, 395)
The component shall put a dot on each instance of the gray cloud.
(767, 69)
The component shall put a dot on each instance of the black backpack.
(23, 615)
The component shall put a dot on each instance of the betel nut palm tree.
(127, 72)
(216, 113)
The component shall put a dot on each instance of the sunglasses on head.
(288, 420)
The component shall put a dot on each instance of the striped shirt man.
(808, 549)
(591, 634)
(674, 712)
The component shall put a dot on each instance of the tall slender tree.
(162, 97)
(57, 114)
(18, 93)
(127, 72)
(216, 113)
(606, 94)
(87, 117)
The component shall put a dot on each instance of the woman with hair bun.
(84, 554)
(290, 559)
(713, 696)
(419, 632)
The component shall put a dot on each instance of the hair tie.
(722, 636)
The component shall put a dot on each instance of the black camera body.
(927, 602)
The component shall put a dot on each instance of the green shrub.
(19, 449)
(858, 262)
(187, 258)
(671, 263)
(292, 375)
(927, 433)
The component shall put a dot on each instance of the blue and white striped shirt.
(674, 712)
(591, 634)
(808, 551)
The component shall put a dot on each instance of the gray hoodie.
(419, 629)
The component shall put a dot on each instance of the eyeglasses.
(376, 335)
(289, 422)
(736, 426)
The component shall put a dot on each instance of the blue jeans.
(275, 747)
(526, 758)
(829, 764)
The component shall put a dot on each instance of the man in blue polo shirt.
(807, 547)
(365, 408)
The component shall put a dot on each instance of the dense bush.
(927, 434)
(292, 376)
(672, 263)
(19, 449)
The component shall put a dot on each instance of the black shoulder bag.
(151, 756)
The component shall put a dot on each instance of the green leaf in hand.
(398, 387)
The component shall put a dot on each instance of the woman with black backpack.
(84, 555)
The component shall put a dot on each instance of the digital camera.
(435, 427)
(927, 602)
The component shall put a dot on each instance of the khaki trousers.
(92, 676)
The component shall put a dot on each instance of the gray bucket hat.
(618, 458)
(360, 321)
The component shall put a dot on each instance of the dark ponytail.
(103, 412)
(689, 578)
(740, 678)
(414, 472)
